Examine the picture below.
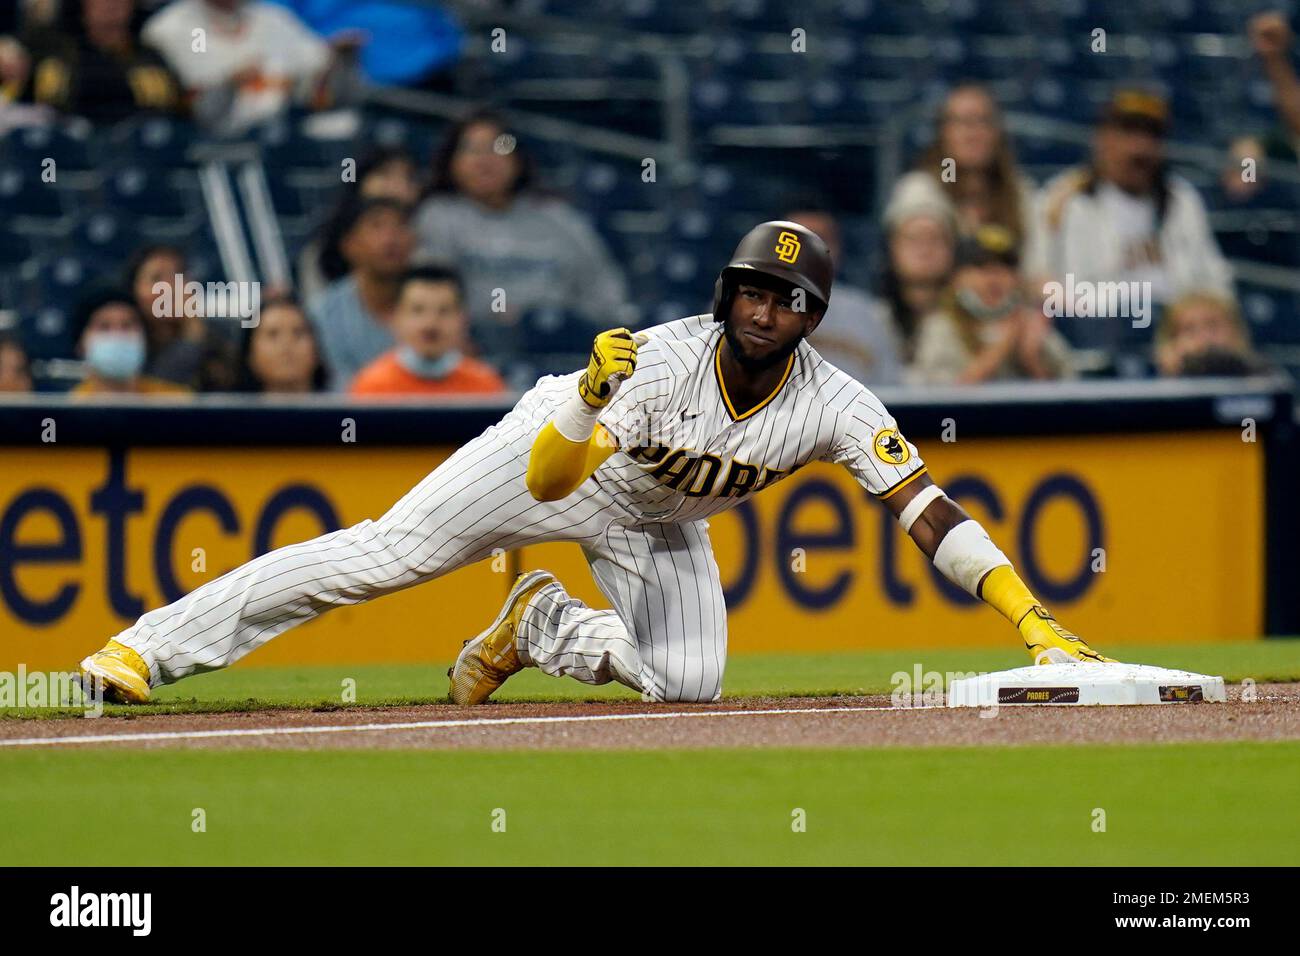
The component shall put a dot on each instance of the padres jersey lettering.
(697, 473)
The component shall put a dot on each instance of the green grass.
(824, 674)
(1184, 804)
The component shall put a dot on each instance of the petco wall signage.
(1108, 530)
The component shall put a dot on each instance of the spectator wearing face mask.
(430, 327)
(15, 371)
(111, 342)
(1203, 334)
(987, 330)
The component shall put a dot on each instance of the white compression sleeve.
(575, 419)
(966, 554)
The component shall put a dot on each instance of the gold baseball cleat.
(485, 662)
(120, 671)
(1049, 643)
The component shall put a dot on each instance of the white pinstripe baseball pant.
(666, 636)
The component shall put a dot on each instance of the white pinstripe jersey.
(683, 452)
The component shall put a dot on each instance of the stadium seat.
(69, 147)
(1272, 240)
(755, 56)
(875, 102)
(1000, 57)
(717, 184)
(605, 185)
(139, 191)
(1272, 314)
(880, 17)
(831, 102)
(286, 196)
(29, 205)
(1048, 154)
(101, 242)
(286, 145)
(46, 294)
(890, 60)
(46, 333)
(14, 249)
(550, 330)
(649, 16)
(161, 142)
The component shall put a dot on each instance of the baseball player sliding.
(629, 459)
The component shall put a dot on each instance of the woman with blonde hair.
(1202, 333)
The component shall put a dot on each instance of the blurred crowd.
(421, 276)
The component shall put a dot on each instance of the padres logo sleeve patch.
(888, 445)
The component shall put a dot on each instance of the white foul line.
(418, 725)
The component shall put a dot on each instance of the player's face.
(283, 352)
(765, 326)
(429, 318)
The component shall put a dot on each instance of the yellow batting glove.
(1049, 643)
(613, 360)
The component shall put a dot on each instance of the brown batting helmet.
(782, 250)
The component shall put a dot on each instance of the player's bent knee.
(697, 688)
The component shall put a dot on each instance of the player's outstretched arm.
(572, 445)
(962, 550)
(558, 465)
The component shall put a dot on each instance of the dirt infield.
(752, 722)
